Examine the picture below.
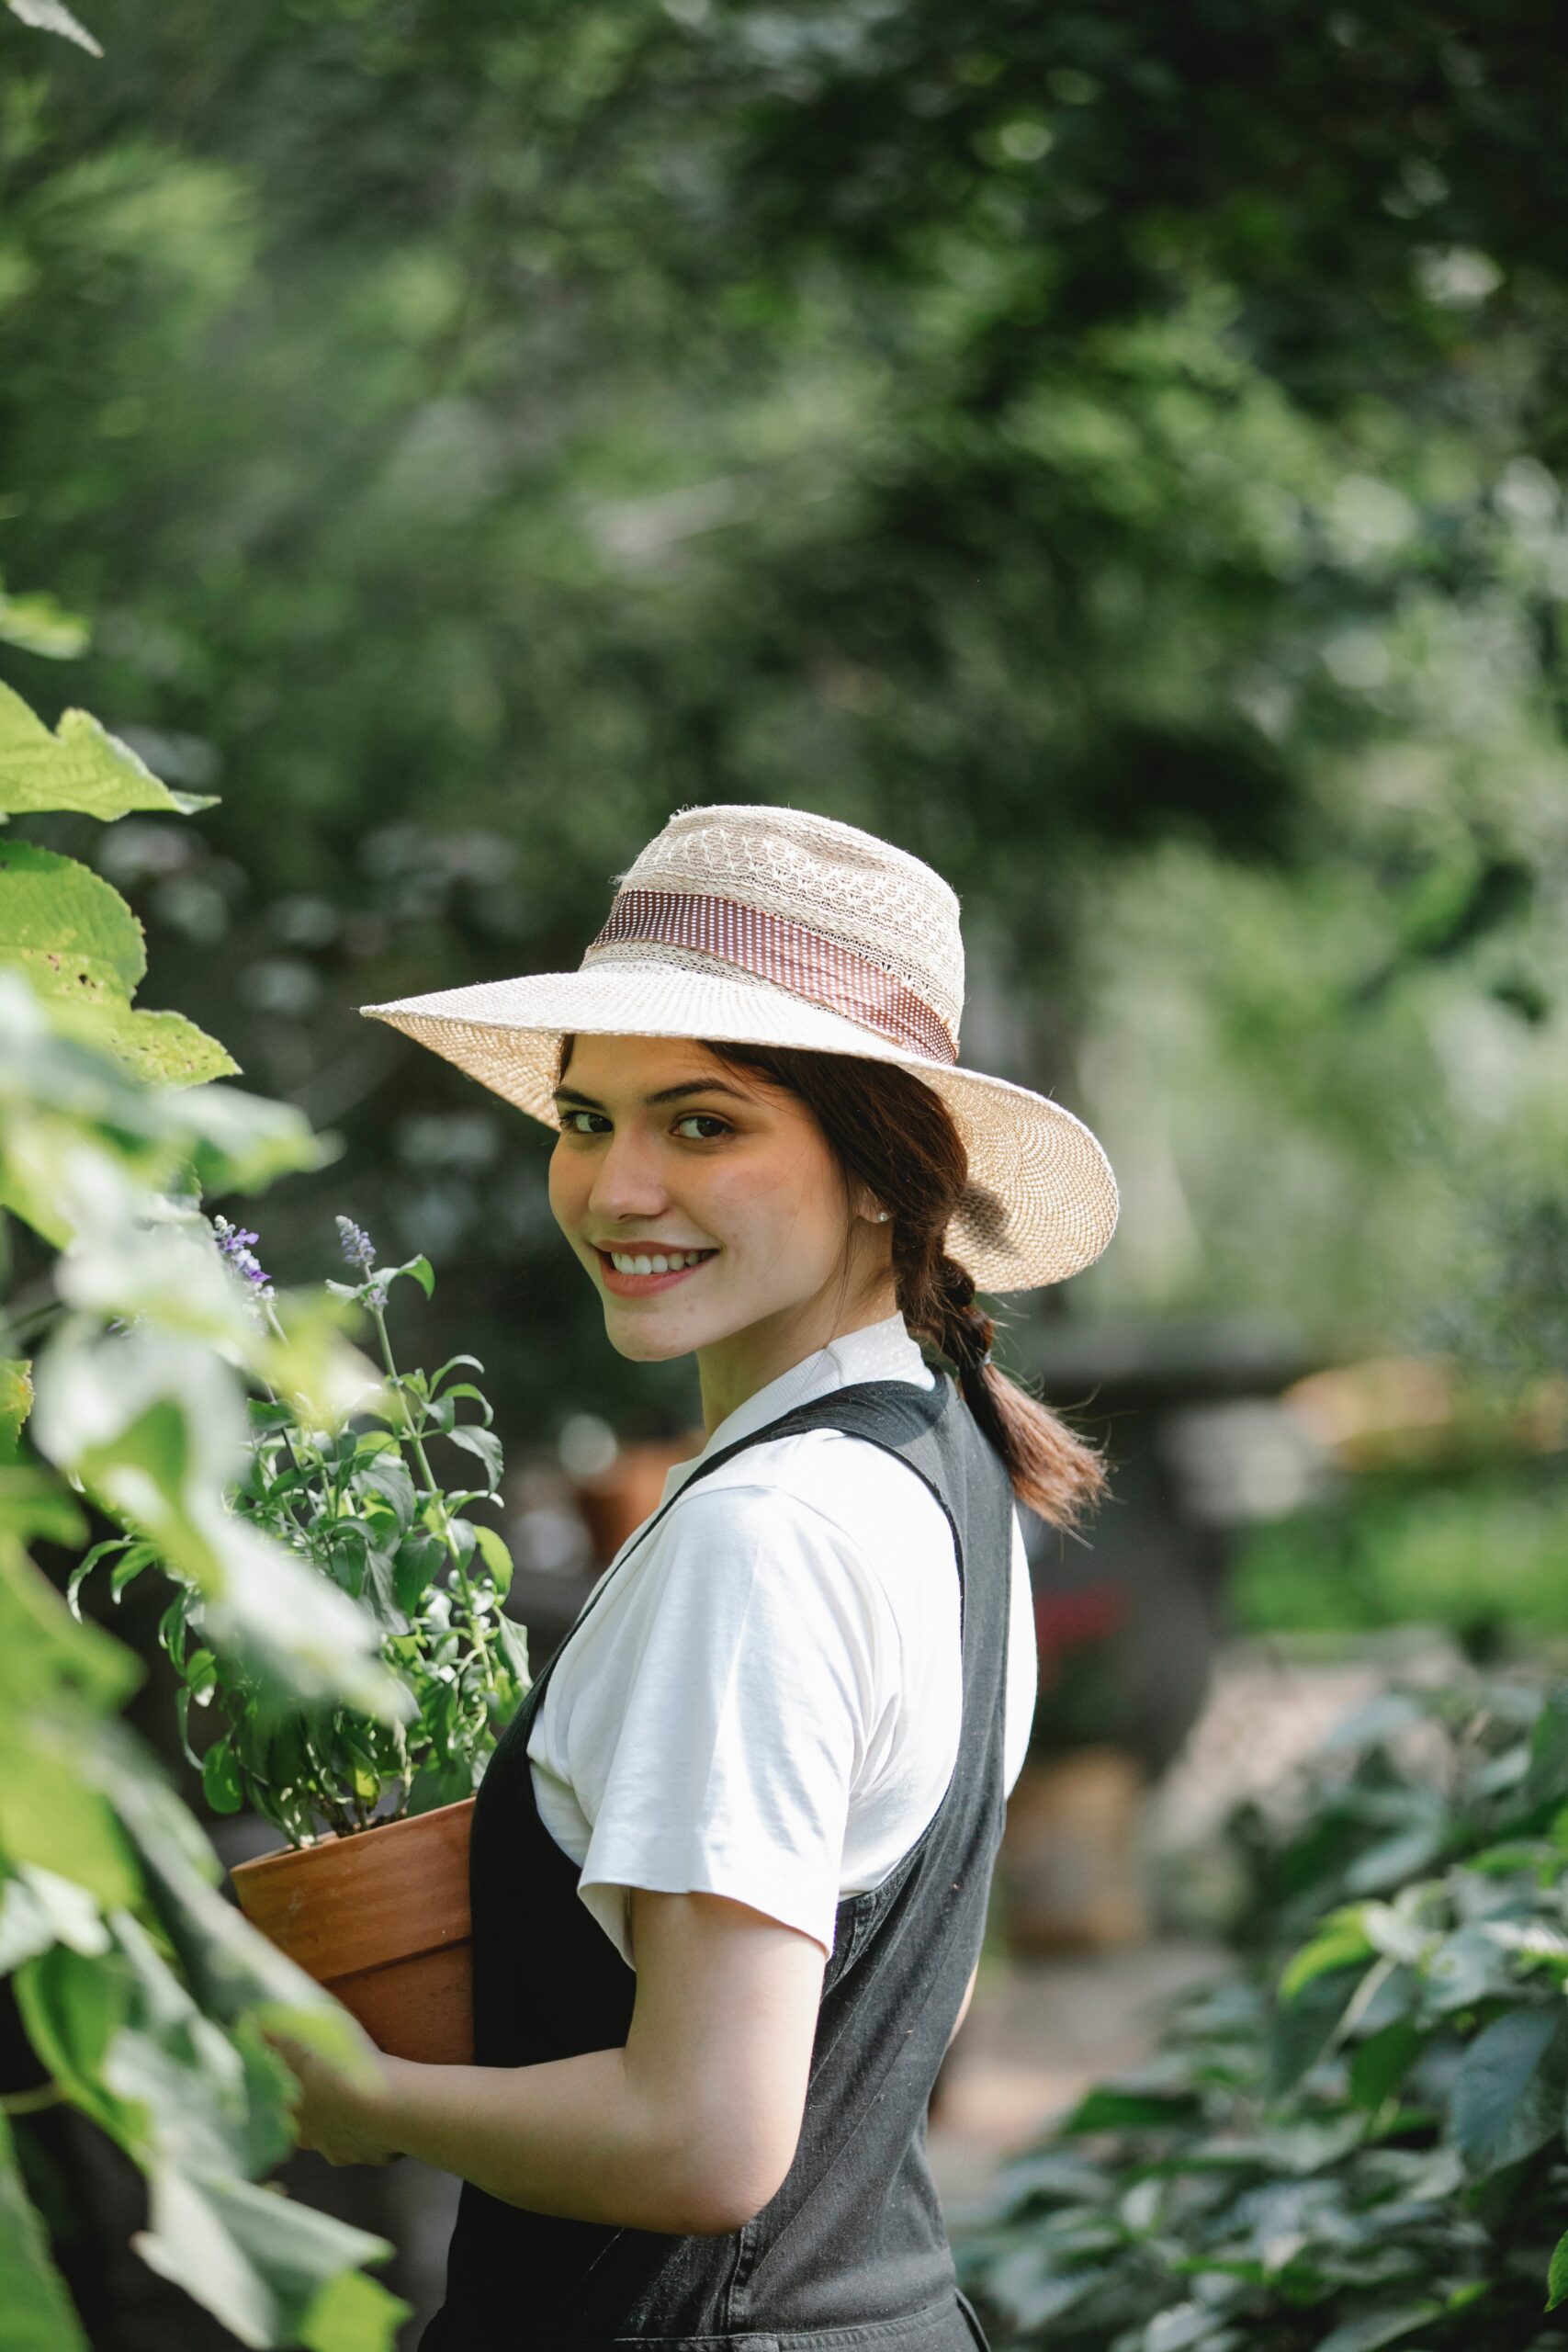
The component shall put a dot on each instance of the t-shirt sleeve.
(1023, 1664)
(746, 1717)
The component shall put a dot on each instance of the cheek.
(568, 1186)
(759, 1203)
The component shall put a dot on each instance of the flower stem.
(433, 1494)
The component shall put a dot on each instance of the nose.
(628, 1181)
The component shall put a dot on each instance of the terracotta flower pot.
(381, 1920)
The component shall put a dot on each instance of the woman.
(731, 1859)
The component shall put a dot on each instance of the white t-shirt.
(765, 1702)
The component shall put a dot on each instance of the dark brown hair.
(895, 1135)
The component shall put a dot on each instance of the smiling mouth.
(631, 1272)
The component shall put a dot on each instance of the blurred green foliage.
(1358, 2140)
(1116, 453)
(1478, 1556)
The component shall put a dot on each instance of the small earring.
(881, 1217)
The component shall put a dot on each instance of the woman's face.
(666, 1154)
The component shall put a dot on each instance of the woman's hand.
(342, 2119)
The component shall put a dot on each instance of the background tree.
(1117, 455)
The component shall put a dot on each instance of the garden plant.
(1358, 2139)
(126, 1356)
(361, 1506)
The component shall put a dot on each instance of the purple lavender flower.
(235, 1245)
(358, 1250)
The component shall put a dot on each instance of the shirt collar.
(877, 1352)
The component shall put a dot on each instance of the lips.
(642, 1272)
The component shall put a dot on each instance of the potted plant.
(369, 1895)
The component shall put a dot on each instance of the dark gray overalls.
(852, 2251)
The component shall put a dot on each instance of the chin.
(646, 1346)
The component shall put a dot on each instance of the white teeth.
(670, 1261)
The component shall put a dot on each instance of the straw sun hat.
(774, 927)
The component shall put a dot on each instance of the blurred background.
(1116, 453)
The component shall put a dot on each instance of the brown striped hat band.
(788, 955)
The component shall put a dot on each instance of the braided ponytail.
(895, 1136)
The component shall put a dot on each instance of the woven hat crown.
(827, 877)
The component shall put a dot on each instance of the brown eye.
(708, 1121)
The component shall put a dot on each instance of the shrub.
(1358, 2140)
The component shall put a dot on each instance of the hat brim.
(1045, 1200)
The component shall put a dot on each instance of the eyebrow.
(570, 1095)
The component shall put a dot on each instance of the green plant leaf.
(1557, 2277)
(39, 1908)
(1382, 2061)
(1304, 2026)
(1371, 2330)
(514, 1648)
(164, 1048)
(1110, 2108)
(252, 2257)
(39, 623)
(421, 1269)
(1509, 2095)
(81, 766)
(220, 1777)
(495, 1556)
(34, 1503)
(419, 1559)
(73, 2004)
(1341, 1940)
(485, 1446)
(16, 1402)
(38, 2313)
(386, 1475)
(1547, 1778)
(233, 1972)
(352, 2313)
(65, 927)
(1468, 1967)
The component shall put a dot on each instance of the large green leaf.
(164, 1048)
(66, 928)
(34, 1503)
(73, 2005)
(352, 2313)
(50, 1816)
(80, 945)
(254, 2258)
(234, 1971)
(147, 1422)
(181, 2075)
(81, 766)
(36, 2313)
(39, 1908)
(58, 1095)
(1508, 2094)
(46, 1656)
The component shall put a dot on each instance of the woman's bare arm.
(689, 2128)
